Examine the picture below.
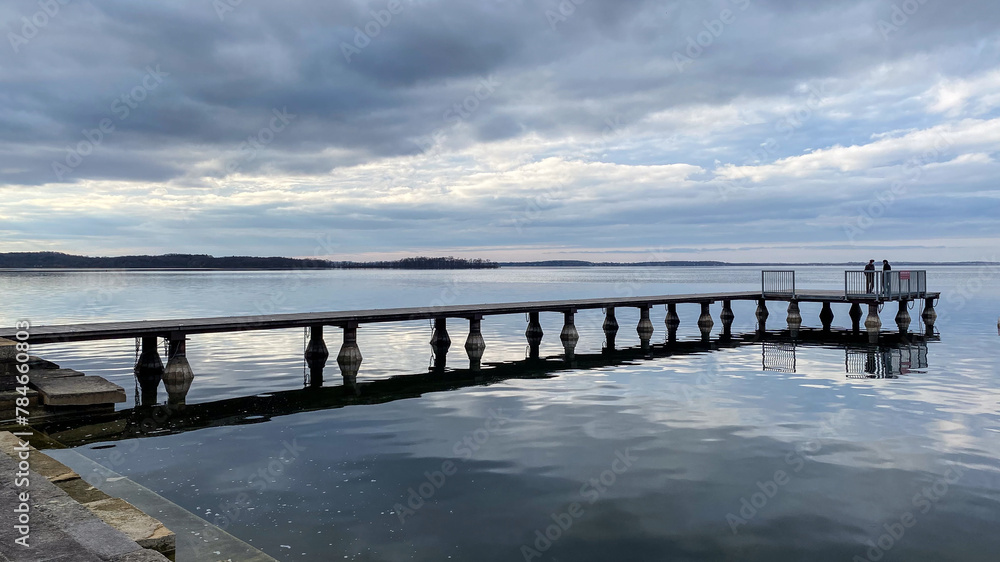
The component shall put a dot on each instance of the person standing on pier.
(886, 283)
(870, 276)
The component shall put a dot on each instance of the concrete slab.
(143, 529)
(42, 374)
(78, 391)
(81, 491)
(197, 539)
(51, 469)
(60, 528)
(8, 350)
(143, 555)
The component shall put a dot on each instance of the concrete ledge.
(72, 520)
(77, 391)
(143, 529)
(61, 528)
(8, 350)
(50, 468)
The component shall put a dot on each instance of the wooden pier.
(873, 289)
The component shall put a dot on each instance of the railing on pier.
(777, 283)
(905, 284)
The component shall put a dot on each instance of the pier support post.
(705, 322)
(826, 316)
(761, 315)
(534, 334)
(645, 326)
(794, 318)
(929, 315)
(316, 355)
(349, 359)
(569, 336)
(873, 323)
(177, 376)
(672, 321)
(856, 317)
(475, 345)
(610, 328)
(903, 317)
(440, 343)
(149, 369)
(727, 317)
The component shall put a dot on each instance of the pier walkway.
(874, 289)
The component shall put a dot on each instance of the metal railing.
(774, 282)
(904, 284)
(886, 363)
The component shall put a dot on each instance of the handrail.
(885, 285)
(777, 282)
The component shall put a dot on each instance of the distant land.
(57, 260)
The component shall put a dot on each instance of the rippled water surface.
(772, 450)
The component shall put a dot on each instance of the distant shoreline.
(52, 261)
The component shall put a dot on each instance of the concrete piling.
(826, 316)
(794, 318)
(903, 317)
(705, 322)
(727, 317)
(534, 334)
(349, 359)
(569, 335)
(316, 354)
(761, 314)
(149, 369)
(178, 375)
(855, 317)
(672, 321)
(645, 326)
(475, 345)
(610, 328)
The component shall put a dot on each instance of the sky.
(625, 130)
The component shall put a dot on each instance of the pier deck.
(165, 328)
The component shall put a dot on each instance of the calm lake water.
(767, 451)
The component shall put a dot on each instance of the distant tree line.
(57, 260)
(421, 263)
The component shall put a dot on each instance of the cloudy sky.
(617, 130)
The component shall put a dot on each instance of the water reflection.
(892, 356)
(888, 358)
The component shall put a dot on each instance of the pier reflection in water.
(893, 355)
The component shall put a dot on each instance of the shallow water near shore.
(769, 450)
